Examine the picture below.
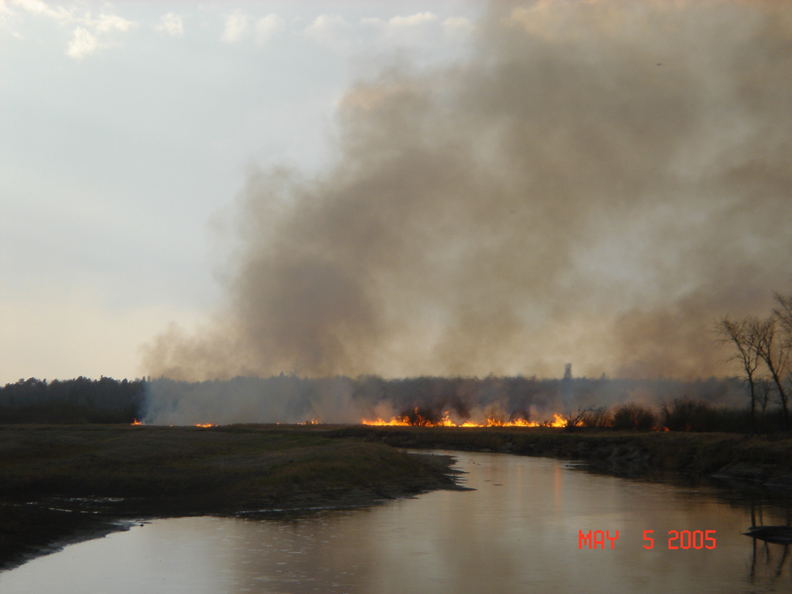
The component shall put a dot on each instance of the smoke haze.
(598, 183)
(292, 399)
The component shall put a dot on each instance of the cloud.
(32, 5)
(108, 22)
(331, 31)
(86, 42)
(37, 6)
(419, 32)
(6, 12)
(89, 31)
(42, 8)
(414, 20)
(171, 24)
(82, 44)
(102, 24)
(397, 22)
(458, 24)
(236, 27)
(268, 27)
(238, 24)
(413, 32)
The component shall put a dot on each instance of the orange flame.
(446, 421)
(136, 422)
(559, 421)
(204, 425)
(403, 421)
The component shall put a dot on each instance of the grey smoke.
(597, 184)
(293, 399)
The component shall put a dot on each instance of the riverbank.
(61, 484)
(765, 460)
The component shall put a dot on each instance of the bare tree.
(765, 388)
(783, 314)
(774, 348)
(744, 336)
(576, 419)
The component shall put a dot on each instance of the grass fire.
(426, 418)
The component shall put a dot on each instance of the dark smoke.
(598, 184)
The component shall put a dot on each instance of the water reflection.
(768, 542)
(517, 532)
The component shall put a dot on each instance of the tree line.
(80, 400)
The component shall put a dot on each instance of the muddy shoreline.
(60, 485)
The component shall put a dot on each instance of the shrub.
(599, 418)
(634, 416)
(685, 414)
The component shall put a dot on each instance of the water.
(518, 532)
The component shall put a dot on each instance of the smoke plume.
(598, 183)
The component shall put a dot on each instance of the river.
(519, 531)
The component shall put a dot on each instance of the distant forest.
(74, 401)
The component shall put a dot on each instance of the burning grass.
(424, 417)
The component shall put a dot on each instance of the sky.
(457, 188)
(127, 130)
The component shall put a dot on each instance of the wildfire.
(204, 425)
(419, 420)
(402, 421)
(136, 422)
(558, 421)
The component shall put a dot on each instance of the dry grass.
(79, 477)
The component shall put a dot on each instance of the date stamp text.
(676, 539)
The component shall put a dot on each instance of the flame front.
(401, 421)
(419, 420)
